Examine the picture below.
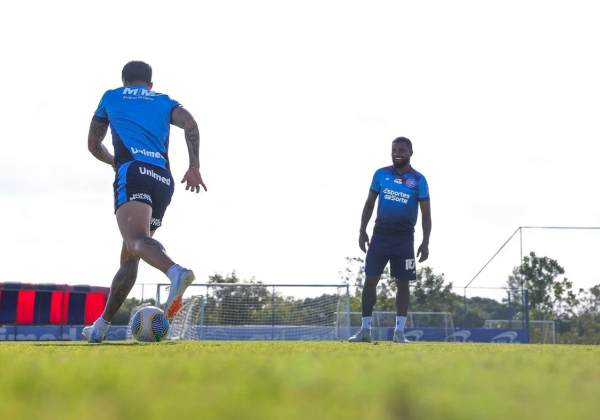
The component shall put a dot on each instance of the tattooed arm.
(95, 146)
(183, 119)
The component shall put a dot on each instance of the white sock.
(366, 322)
(400, 321)
(102, 324)
(173, 272)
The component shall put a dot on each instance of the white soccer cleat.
(399, 337)
(92, 335)
(184, 279)
(362, 336)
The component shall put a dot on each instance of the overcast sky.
(297, 104)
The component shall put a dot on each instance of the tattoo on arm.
(192, 138)
(95, 137)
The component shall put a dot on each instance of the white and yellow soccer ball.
(149, 325)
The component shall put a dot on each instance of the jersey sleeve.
(376, 184)
(101, 115)
(423, 190)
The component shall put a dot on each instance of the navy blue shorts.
(146, 183)
(398, 250)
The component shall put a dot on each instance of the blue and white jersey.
(139, 122)
(399, 196)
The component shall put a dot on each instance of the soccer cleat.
(363, 335)
(400, 338)
(92, 335)
(174, 304)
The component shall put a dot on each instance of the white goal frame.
(233, 311)
(188, 321)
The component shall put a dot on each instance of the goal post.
(187, 324)
(256, 311)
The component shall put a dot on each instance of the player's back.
(140, 124)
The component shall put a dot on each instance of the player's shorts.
(398, 250)
(146, 183)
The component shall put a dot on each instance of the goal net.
(188, 321)
(381, 322)
(254, 311)
(540, 332)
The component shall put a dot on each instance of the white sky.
(298, 103)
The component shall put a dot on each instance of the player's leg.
(133, 219)
(376, 260)
(402, 298)
(402, 269)
(121, 285)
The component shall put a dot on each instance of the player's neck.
(403, 169)
(137, 83)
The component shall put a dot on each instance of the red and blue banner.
(46, 304)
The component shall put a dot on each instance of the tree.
(430, 293)
(548, 295)
(235, 305)
(583, 327)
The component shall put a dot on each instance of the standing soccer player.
(140, 120)
(401, 191)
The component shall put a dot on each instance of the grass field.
(297, 380)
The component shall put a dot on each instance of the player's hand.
(363, 240)
(193, 179)
(423, 252)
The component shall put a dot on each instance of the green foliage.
(252, 303)
(548, 295)
(122, 317)
(257, 380)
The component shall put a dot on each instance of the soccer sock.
(366, 322)
(102, 324)
(173, 272)
(400, 321)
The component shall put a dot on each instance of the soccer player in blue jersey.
(140, 120)
(401, 191)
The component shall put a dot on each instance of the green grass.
(297, 380)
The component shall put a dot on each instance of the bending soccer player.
(140, 120)
(401, 191)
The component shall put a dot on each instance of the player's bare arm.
(183, 119)
(363, 239)
(423, 251)
(95, 146)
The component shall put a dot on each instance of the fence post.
(526, 310)
(201, 317)
(348, 308)
(465, 320)
(509, 310)
(273, 314)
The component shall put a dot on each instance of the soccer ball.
(149, 324)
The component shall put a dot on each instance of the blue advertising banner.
(471, 335)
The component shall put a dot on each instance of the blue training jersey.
(140, 123)
(399, 196)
